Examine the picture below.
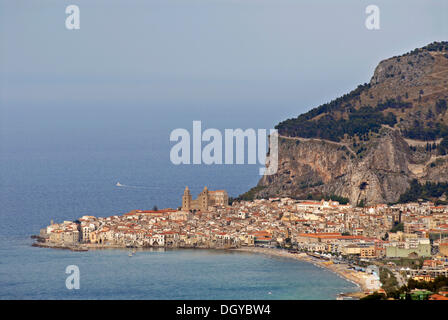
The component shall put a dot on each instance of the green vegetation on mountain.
(434, 46)
(249, 195)
(428, 191)
(379, 136)
(428, 129)
(374, 104)
(335, 104)
(327, 197)
(361, 122)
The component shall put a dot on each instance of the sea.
(58, 164)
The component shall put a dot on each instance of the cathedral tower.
(186, 200)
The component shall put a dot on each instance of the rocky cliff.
(370, 144)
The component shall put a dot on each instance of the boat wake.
(118, 184)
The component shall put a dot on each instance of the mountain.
(370, 145)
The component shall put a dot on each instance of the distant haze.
(137, 69)
(243, 55)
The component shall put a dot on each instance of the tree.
(361, 203)
(397, 227)
(441, 106)
(155, 208)
(374, 296)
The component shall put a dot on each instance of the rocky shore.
(59, 246)
(41, 243)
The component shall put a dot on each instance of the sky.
(164, 63)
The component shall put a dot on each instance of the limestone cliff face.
(377, 166)
(307, 166)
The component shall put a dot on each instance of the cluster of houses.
(315, 226)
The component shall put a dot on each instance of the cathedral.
(205, 199)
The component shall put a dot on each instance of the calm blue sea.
(61, 165)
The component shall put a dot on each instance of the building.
(437, 297)
(368, 252)
(205, 200)
(409, 249)
(401, 236)
(70, 236)
(443, 248)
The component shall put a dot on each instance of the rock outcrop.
(370, 144)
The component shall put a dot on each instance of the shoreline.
(339, 269)
(90, 246)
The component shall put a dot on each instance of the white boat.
(119, 184)
(130, 254)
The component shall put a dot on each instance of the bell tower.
(204, 198)
(186, 200)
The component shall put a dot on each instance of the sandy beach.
(358, 278)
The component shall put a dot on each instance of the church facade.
(205, 199)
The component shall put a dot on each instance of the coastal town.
(380, 248)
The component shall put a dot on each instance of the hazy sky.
(268, 59)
